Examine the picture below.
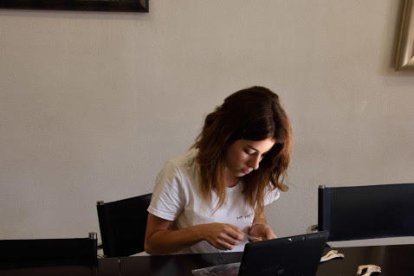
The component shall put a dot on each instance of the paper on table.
(231, 269)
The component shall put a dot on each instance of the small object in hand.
(367, 270)
(332, 254)
(253, 238)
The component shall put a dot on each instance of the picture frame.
(78, 5)
(405, 48)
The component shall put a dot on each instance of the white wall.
(92, 104)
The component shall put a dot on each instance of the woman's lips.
(246, 171)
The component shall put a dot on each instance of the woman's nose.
(254, 162)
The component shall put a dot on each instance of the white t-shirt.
(177, 197)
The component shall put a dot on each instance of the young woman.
(213, 197)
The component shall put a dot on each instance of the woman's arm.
(260, 228)
(160, 238)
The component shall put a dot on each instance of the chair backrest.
(46, 252)
(122, 224)
(366, 212)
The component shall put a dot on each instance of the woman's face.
(244, 156)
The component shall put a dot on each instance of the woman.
(213, 197)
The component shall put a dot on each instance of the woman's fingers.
(225, 236)
(262, 230)
(234, 232)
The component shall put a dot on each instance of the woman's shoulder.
(271, 194)
(179, 174)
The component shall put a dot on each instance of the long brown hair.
(255, 114)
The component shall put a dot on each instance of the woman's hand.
(261, 231)
(222, 235)
(161, 238)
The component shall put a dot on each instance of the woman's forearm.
(170, 241)
(162, 238)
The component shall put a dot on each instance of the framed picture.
(78, 5)
(405, 47)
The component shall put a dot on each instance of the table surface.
(394, 260)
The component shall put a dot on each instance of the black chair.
(122, 224)
(366, 212)
(48, 252)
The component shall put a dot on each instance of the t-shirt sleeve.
(272, 194)
(167, 198)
